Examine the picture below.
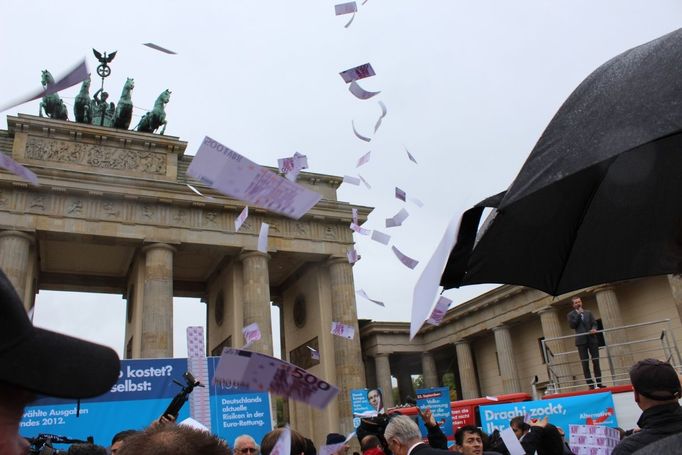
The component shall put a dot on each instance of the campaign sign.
(361, 405)
(591, 409)
(438, 400)
(144, 390)
(235, 412)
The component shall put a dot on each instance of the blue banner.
(591, 409)
(144, 390)
(438, 400)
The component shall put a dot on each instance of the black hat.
(655, 380)
(335, 438)
(46, 362)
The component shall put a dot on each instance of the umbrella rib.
(582, 217)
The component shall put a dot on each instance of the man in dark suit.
(585, 326)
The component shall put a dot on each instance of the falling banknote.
(261, 372)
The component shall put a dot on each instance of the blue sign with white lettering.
(143, 392)
(437, 399)
(589, 409)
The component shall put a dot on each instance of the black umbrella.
(599, 199)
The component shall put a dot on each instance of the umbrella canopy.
(599, 199)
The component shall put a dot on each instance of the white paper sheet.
(283, 444)
(314, 353)
(359, 229)
(210, 198)
(397, 219)
(190, 422)
(380, 237)
(357, 73)
(352, 180)
(426, 289)
(367, 185)
(251, 334)
(416, 201)
(358, 135)
(400, 194)
(343, 330)
(354, 216)
(230, 173)
(512, 442)
(381, 117)
(263, 238)
(159, 48)
(406, 260)
(78, 74)
(360, 92)
(362, 293)
(350, 21)
(292, 166)
(364, 159)
(241, 218)
(345, 8)
(15, 168)
(439, 311)
(409, 155)
(352, 255)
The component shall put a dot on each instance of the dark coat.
(671, 444)
(655, 423)
(583, 325)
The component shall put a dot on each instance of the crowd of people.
(26, 352)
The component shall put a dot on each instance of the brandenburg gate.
(113, 214)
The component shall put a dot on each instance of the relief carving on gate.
(93, 155)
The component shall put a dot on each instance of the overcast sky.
(469, 87)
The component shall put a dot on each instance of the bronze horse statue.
(153, 119)
(52, 104)
(81, 106)
(124, 108)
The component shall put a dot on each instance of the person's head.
(401, 433)
(375, 399)
(577, 302)
(654, 383)
(309, 447)
(298, 444)
(86, 449)
(117, 440)
(551, 442)
(370, 442)
(336, 438)
(245, 445)
(105, 95)
(77, 368)
(519, 426)
(175, 439)
(469, 440)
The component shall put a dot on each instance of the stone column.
(15, 261)
(383, 368)
(350, 371)
(609, 310)
(157, 304)
(675, 282)
(370, 373)
(405, 388)
(551, 328)
(467, 372)
(505, 355)
(256, 305)
(429, 371)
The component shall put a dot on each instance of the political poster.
(365, 403)
(437, 399)
(142, 393)
(590, 409)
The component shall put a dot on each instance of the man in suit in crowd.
(585, 326)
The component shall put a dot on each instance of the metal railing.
(620, 350)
